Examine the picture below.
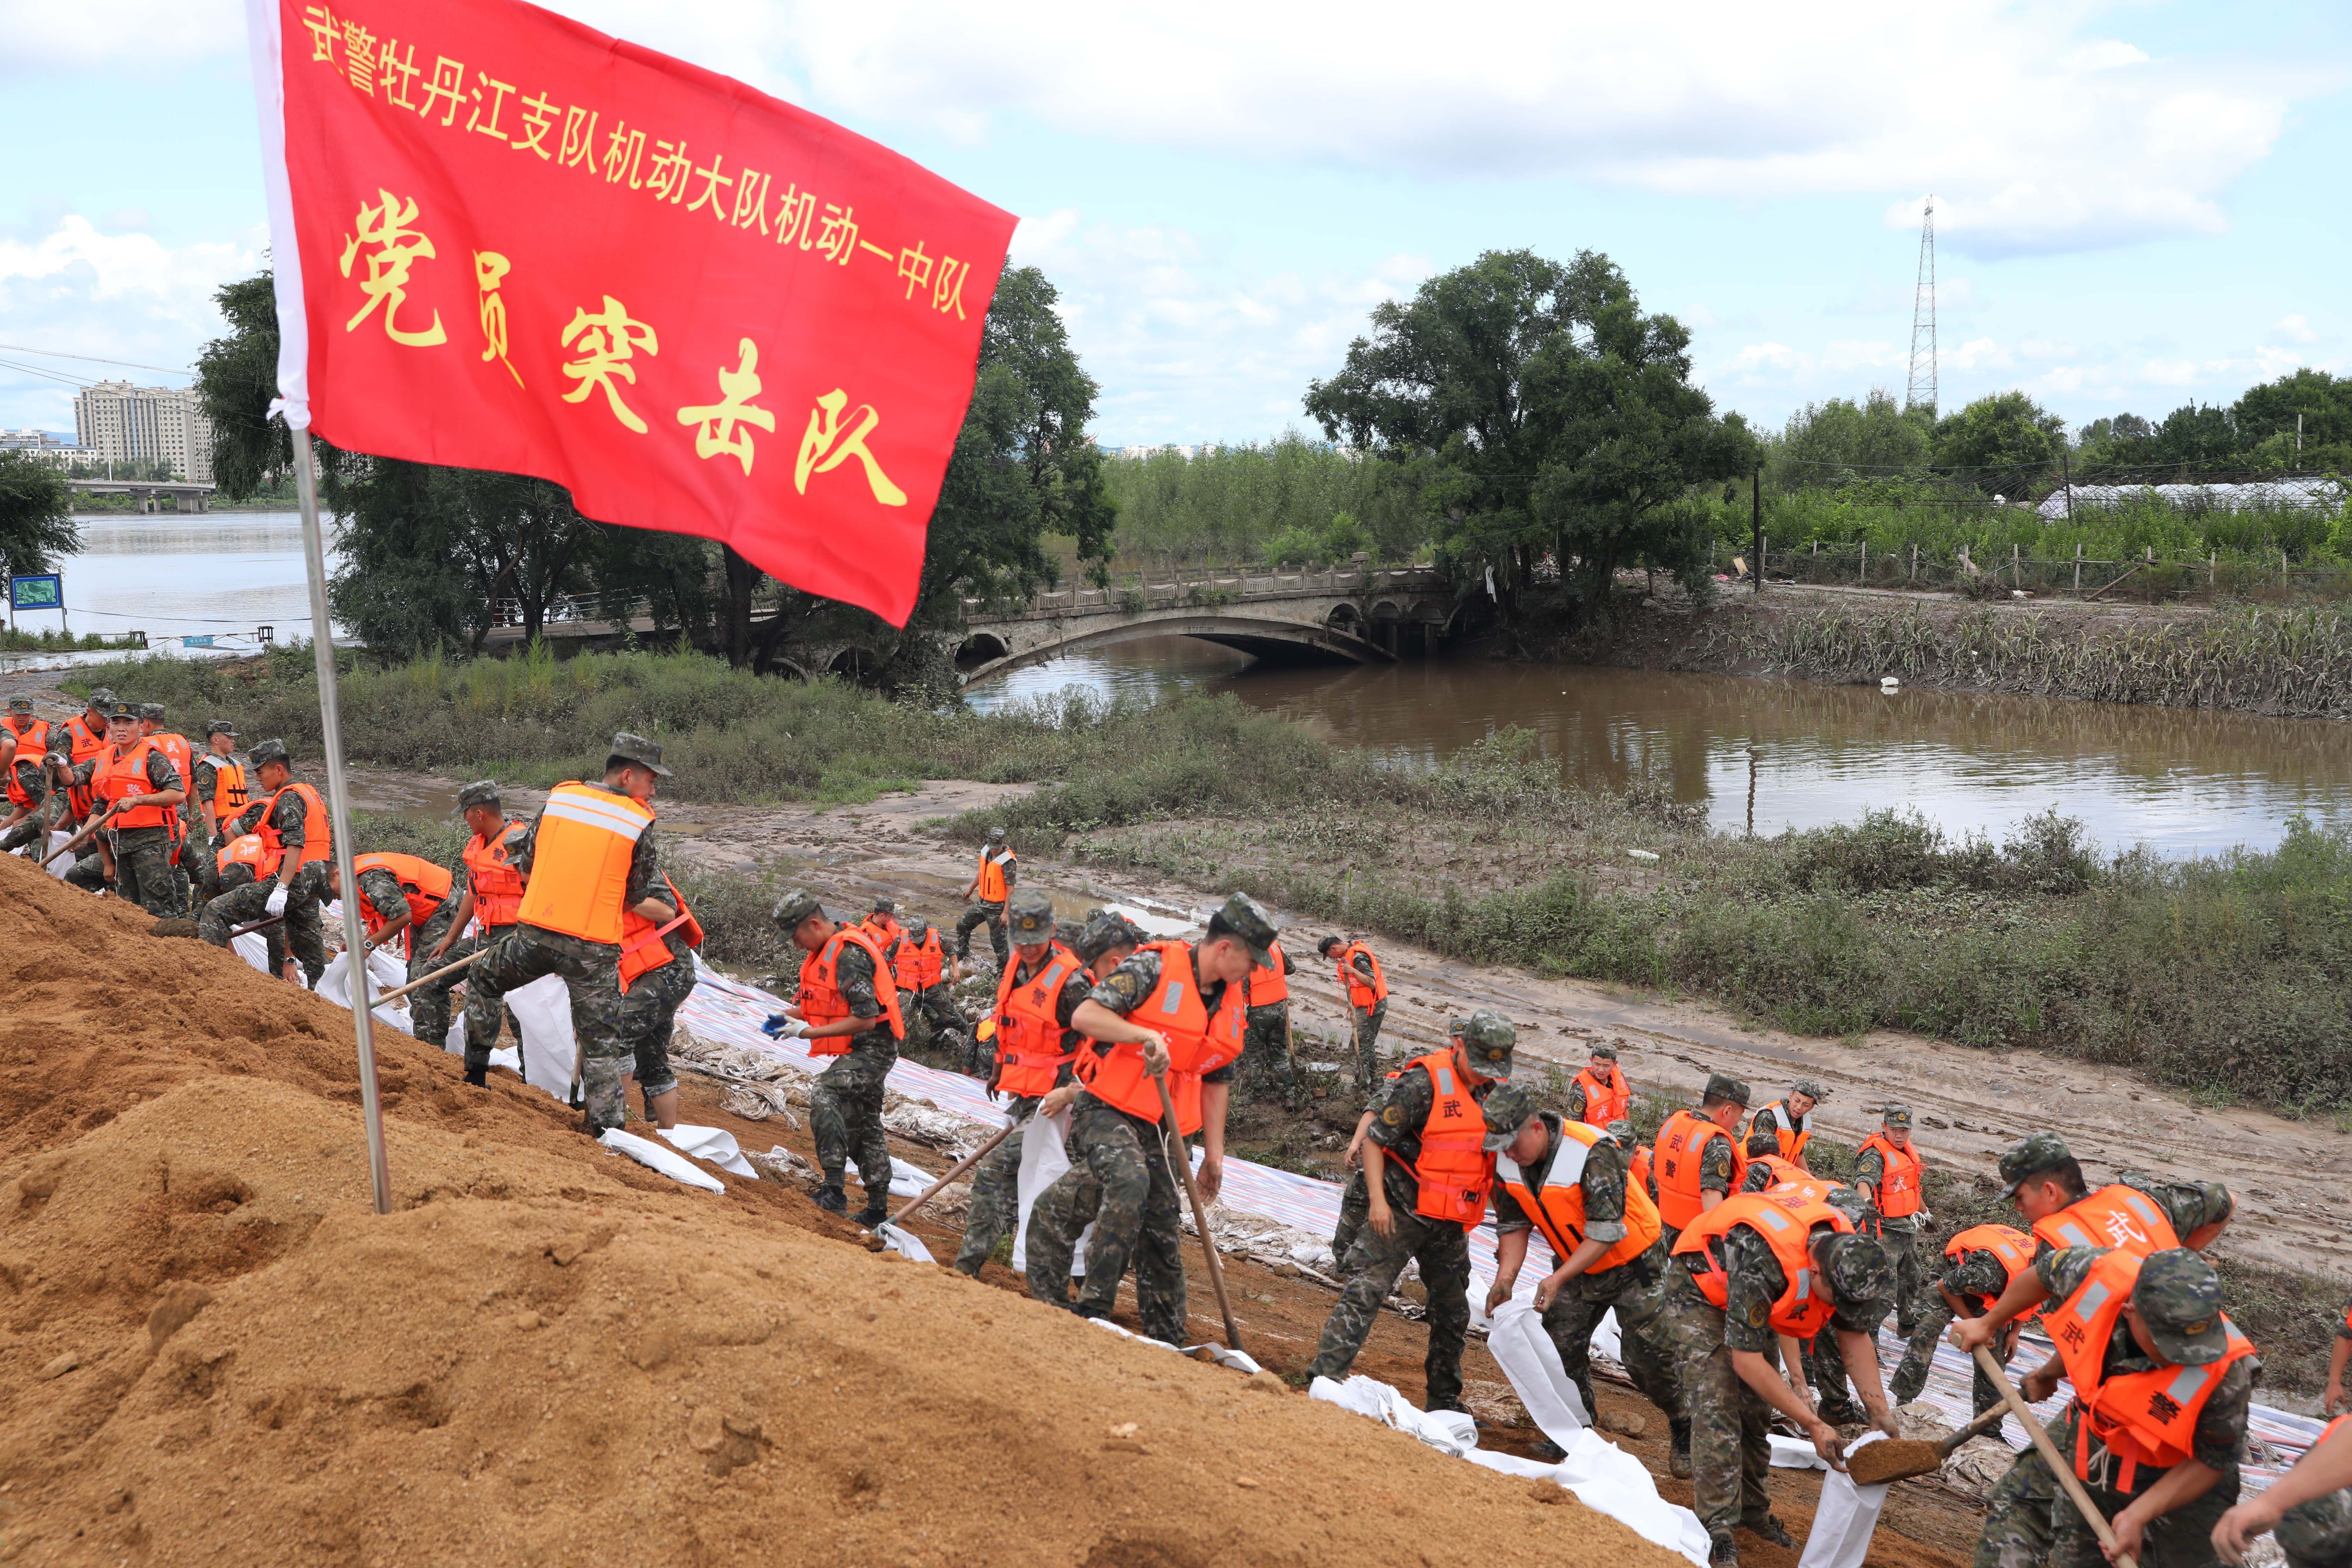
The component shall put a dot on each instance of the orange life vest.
(579, 860)
(1804, 1306)
(2141, 1417)
(1558, 1207)
(1267, 983)
(2114, 1216)
(821, 999)
(1899, 1182)
(183, 762)
(1454, 1172)
(496, 885)
(1792, 1141)
(1359, 994)
(886, 930)
(1790, 1180)
(1681, 1143)
(1638, 1169)
(1198, 1042)
(2012, 1246)
(118, 778)
(1605, 1102)
(990, 879)
(228, 788)
(317, 831)
(918, 964)
(643, 948)
(32, 746)
(247, 851)
(421, 883)
(82, 743)
(1029, 1054)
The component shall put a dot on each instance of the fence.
(2153, 578)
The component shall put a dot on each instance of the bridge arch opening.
(1344, 618)
(856, 664)
(980, 648)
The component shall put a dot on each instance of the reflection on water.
(173, 576)
(1790, 753)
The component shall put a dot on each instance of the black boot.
(478, 1076)
(829, 1199)
(1678, 1457)
(1770, 1530)
(873, 1215)
(1720, 1552)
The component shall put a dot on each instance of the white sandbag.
(385, 973)
(1527, 1356)
(1224, 1356)
(543, 1010)
(1607, 1479)
(1044, 1156)
(63, 864)
(1369, 1397)
(905, 1243)
(715, 1144)
(253, 948)
(1794, 1453)
(1845, 1516)
(659, 1157)
(906, 1181)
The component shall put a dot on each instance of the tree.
(2266, 417)
(236, 377)
(2001, 443)
(1535, 407)
(37, 521)
(1842, 439)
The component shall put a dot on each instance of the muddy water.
(1770, 754)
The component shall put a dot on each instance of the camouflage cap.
(269, 752)
(2029, 1157)
(219, 727)
(1847, 1200)
(1605, 1050)
(20, 705)
(1811, 1088)
(1506, 1109)
(1622, 1131)
(126, 710)
(1763, 1140)
(484, 792)
(1029, 917)
(1328, 942)
(152, 711)
(996, 833)
(1856, 1267)
(1104, 929)
(2214, 1203)
(2179, 1299)
(1896, 1116)
(1244, 916)
(1487, 1041)
(885, 905)
(638, 749)
(1722, 1086)
(102, 698)
(795, 907)
(918, 927)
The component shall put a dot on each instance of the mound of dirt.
(215, 1352)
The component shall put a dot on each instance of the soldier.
(1367, 990)
(1890, 1178)
(24, 751)
(405, 897)
(882, 924)
(587, 859)
(920, 967)
(2310, 1506)
(1600, 1094)
(657, 976)
(1757, 1272)
(1429, 1165)
(1697, 1163)
(1171, 1012)
(2166, 1378)
(1791, 1119)
(184, 762)
(1769, 1172)
(1265, 1042)
(849, 1007)
(1638, 1156)
(489, 889)
(1569, 1181)
(1978, 1264)
(1037, 994)
(216, 798)
(297, 844)
(239, 864)
(135, 780)
(991, 886)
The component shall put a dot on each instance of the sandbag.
(1527, 1356)
(1370, 1396)
(1607, 1479)
(715, 1144)
(385, 973)
(1844, 1518)
(1044, 1156)
(905, 1243)
(543, 1010)
(659, 1157)
(59, 867)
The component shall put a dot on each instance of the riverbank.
(2291, 663)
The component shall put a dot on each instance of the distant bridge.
(151, 494)
(1362, 615)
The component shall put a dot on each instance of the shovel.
(2051, 1456)
(174, 926)
(958, 1169)
(1180, 1155)
(1907, 1462)
(79, 839)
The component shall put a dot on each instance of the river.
(1770, 755)
(174, 575)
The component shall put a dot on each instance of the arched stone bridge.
(1363, 615)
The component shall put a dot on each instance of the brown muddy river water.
(1771, 754)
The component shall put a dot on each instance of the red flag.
(504, 240)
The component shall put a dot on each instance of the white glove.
(277, 904)
(797, 1029)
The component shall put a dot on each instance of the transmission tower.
(1921, 393)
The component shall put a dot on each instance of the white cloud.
(123, 34)
(2295, 329)
(118, 296)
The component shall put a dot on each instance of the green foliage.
(1280, 501)
(1829, 442)
(36, 522)
(236, 377)
(1533, 408)
(2008, 432)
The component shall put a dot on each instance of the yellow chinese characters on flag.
(507, 241)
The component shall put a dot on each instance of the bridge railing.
(1209, 589)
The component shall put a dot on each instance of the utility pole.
(1921, 392)
(1756, 504)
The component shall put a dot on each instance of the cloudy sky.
(2137, 203)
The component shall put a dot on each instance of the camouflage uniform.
(1265, 1044)
(142, 855)
(1121, 1178)
(931, 1013)
(1635, 1288)
(1977, 1276)
(592, 978)
(33, 778)
(2318, 1533)
(649, 1012)
(305, 890)
(995, 1196)
(1730, 1451)
(846, 1105)
(203, 844)
(988, 911)
(1899, 1235)
(2028, 1521)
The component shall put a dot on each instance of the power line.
(94, 359)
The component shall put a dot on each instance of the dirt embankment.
(213, 1352)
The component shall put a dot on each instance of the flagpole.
(338, 809)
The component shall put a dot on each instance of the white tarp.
(1527, 1356)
